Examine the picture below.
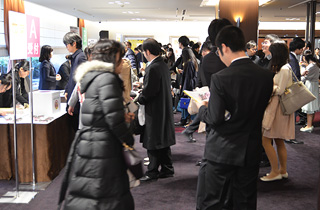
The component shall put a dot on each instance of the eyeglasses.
(265, 42)
(217, 53)
(254, 49)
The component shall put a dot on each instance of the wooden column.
(247, 11)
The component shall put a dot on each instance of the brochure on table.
(23, 116)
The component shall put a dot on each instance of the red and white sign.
(33, 36)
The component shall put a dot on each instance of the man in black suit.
(296, 48)
(233, 146)
(158, 134)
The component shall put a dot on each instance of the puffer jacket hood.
(89, 70)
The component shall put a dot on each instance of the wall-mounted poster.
(136, 40)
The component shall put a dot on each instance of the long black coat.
(243, 89)
(156, 96)
(99, 179)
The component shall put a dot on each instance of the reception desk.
(52, 140)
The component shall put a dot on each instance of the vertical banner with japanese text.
(84, 38)
(17, 35)
(33, 36)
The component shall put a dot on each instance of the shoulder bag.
(295, 96)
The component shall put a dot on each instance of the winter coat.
(156, 96)
(98, 179)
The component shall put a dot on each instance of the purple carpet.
(299, 192)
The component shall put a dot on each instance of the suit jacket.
(159, 130)
(294, 63)
(64, 72)
(211, 64)
(243, 89)
(47, 76)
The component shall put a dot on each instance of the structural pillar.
(245, 12)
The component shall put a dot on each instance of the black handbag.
(133, 160)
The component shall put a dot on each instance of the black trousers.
(194, 125)
(222, 186)
(159, 157)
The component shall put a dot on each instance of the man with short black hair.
(73, 44)
(158, 133)
(251, 49)
(296, 49)
(131, 56)
(233, 145)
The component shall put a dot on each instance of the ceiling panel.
(167, 10)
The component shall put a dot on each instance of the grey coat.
(98, 176)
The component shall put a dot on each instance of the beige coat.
(275, 124)
(125, 75)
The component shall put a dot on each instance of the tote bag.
(295, 96)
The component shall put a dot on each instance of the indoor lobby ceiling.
(168, 10)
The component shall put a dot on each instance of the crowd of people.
(102, 80)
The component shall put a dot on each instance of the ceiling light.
(291, 19)
(130, 12)
(111, 2)
(212, 3)
(126, 2)
(124, 12)
(136, 12)
(209, 3)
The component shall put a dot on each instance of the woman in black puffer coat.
(96, 176)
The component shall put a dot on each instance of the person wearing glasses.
(265, 61)
(233, 147)
(251, 49)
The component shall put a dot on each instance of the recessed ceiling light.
(291, 19)
(126, 2)
(130, 12)
(111, 2)
(209, 3)
(136, 12)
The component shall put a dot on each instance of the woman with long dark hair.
(276, 125)
(169, 57)
(96, 177)
(188, 79)
(311, 78)
(48, 76)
